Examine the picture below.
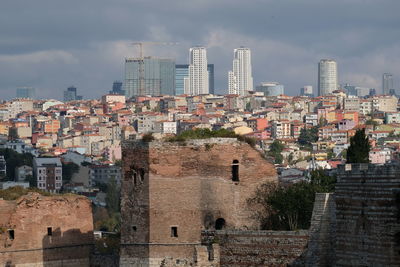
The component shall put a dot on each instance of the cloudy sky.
(51, 44)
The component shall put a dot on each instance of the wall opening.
(174, 231)
(141, 173)
(11, 234)
(220, 224)
(235, 170)
(134, 228)
(49, 231)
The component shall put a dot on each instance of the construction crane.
(142, 88)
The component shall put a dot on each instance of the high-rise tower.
(240, 77)
(387, 83)
(197, 82)
(327, 76)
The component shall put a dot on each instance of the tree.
(308, 136)
(15, 159)
(279, 207)
(358, 151)
(113, 196)
(68, 170)
(275, 151)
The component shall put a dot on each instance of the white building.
(197, 81)
(327, 76)
(240, 79)
(48, 174)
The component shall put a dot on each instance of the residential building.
(281, 129)
(182, 72)
(197, 82)
(102, 174)
(48, 174)
(23, 172)
(3, 167)
(240, 77)
(327, 77)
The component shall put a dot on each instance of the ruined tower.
(171, 191)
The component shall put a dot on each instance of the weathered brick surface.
(185, 185)
(321, 246)
(259, 248)
(70, 218)
(368, 201)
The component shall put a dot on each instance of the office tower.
(210, 70)
(197, 82)
(117, 88)
(392, 92)
(271, 88)
(306, 91)
(240, 79)
(71, 94)
(158, 76)
(327, 77)
(26, 92)
(372, 92)
(182, 72)
(387, 83)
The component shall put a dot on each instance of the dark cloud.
(51, 44)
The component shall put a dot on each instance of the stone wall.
(321, 246)
(367, 216)
(41, 230)
(259, 248)
(185, 185)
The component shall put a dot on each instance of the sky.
(53, 44)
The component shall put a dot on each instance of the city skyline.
(49, 51)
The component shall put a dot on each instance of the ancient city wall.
(259, 248)
(188, 186)
(41, 230)
(367, 216)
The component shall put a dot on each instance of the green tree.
(15, 159)
(275, 151)
(68, 170)
(358, 151)
(279, 207)
(308, 136)
(113, 196)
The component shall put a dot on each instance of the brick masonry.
(188, 186)
(30, 216)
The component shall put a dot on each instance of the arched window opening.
(134, 178)
(235, 170)
(141, 173)
(219, 224)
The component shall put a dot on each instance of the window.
(49, 231)
(134, 228)
(235, 170)
(174, 231)
(11, 234)
(219, 224)
(141, 171)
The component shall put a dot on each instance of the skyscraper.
(158, 76)
(71, 94)
(306, 91)
(327, 76)
(182, 72)
(387, 83)
(240, 79)
(197, 82)
(26, 92)
(117, 88)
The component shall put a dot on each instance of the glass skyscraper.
(159, 76)
(26, 92)
(182, 71)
